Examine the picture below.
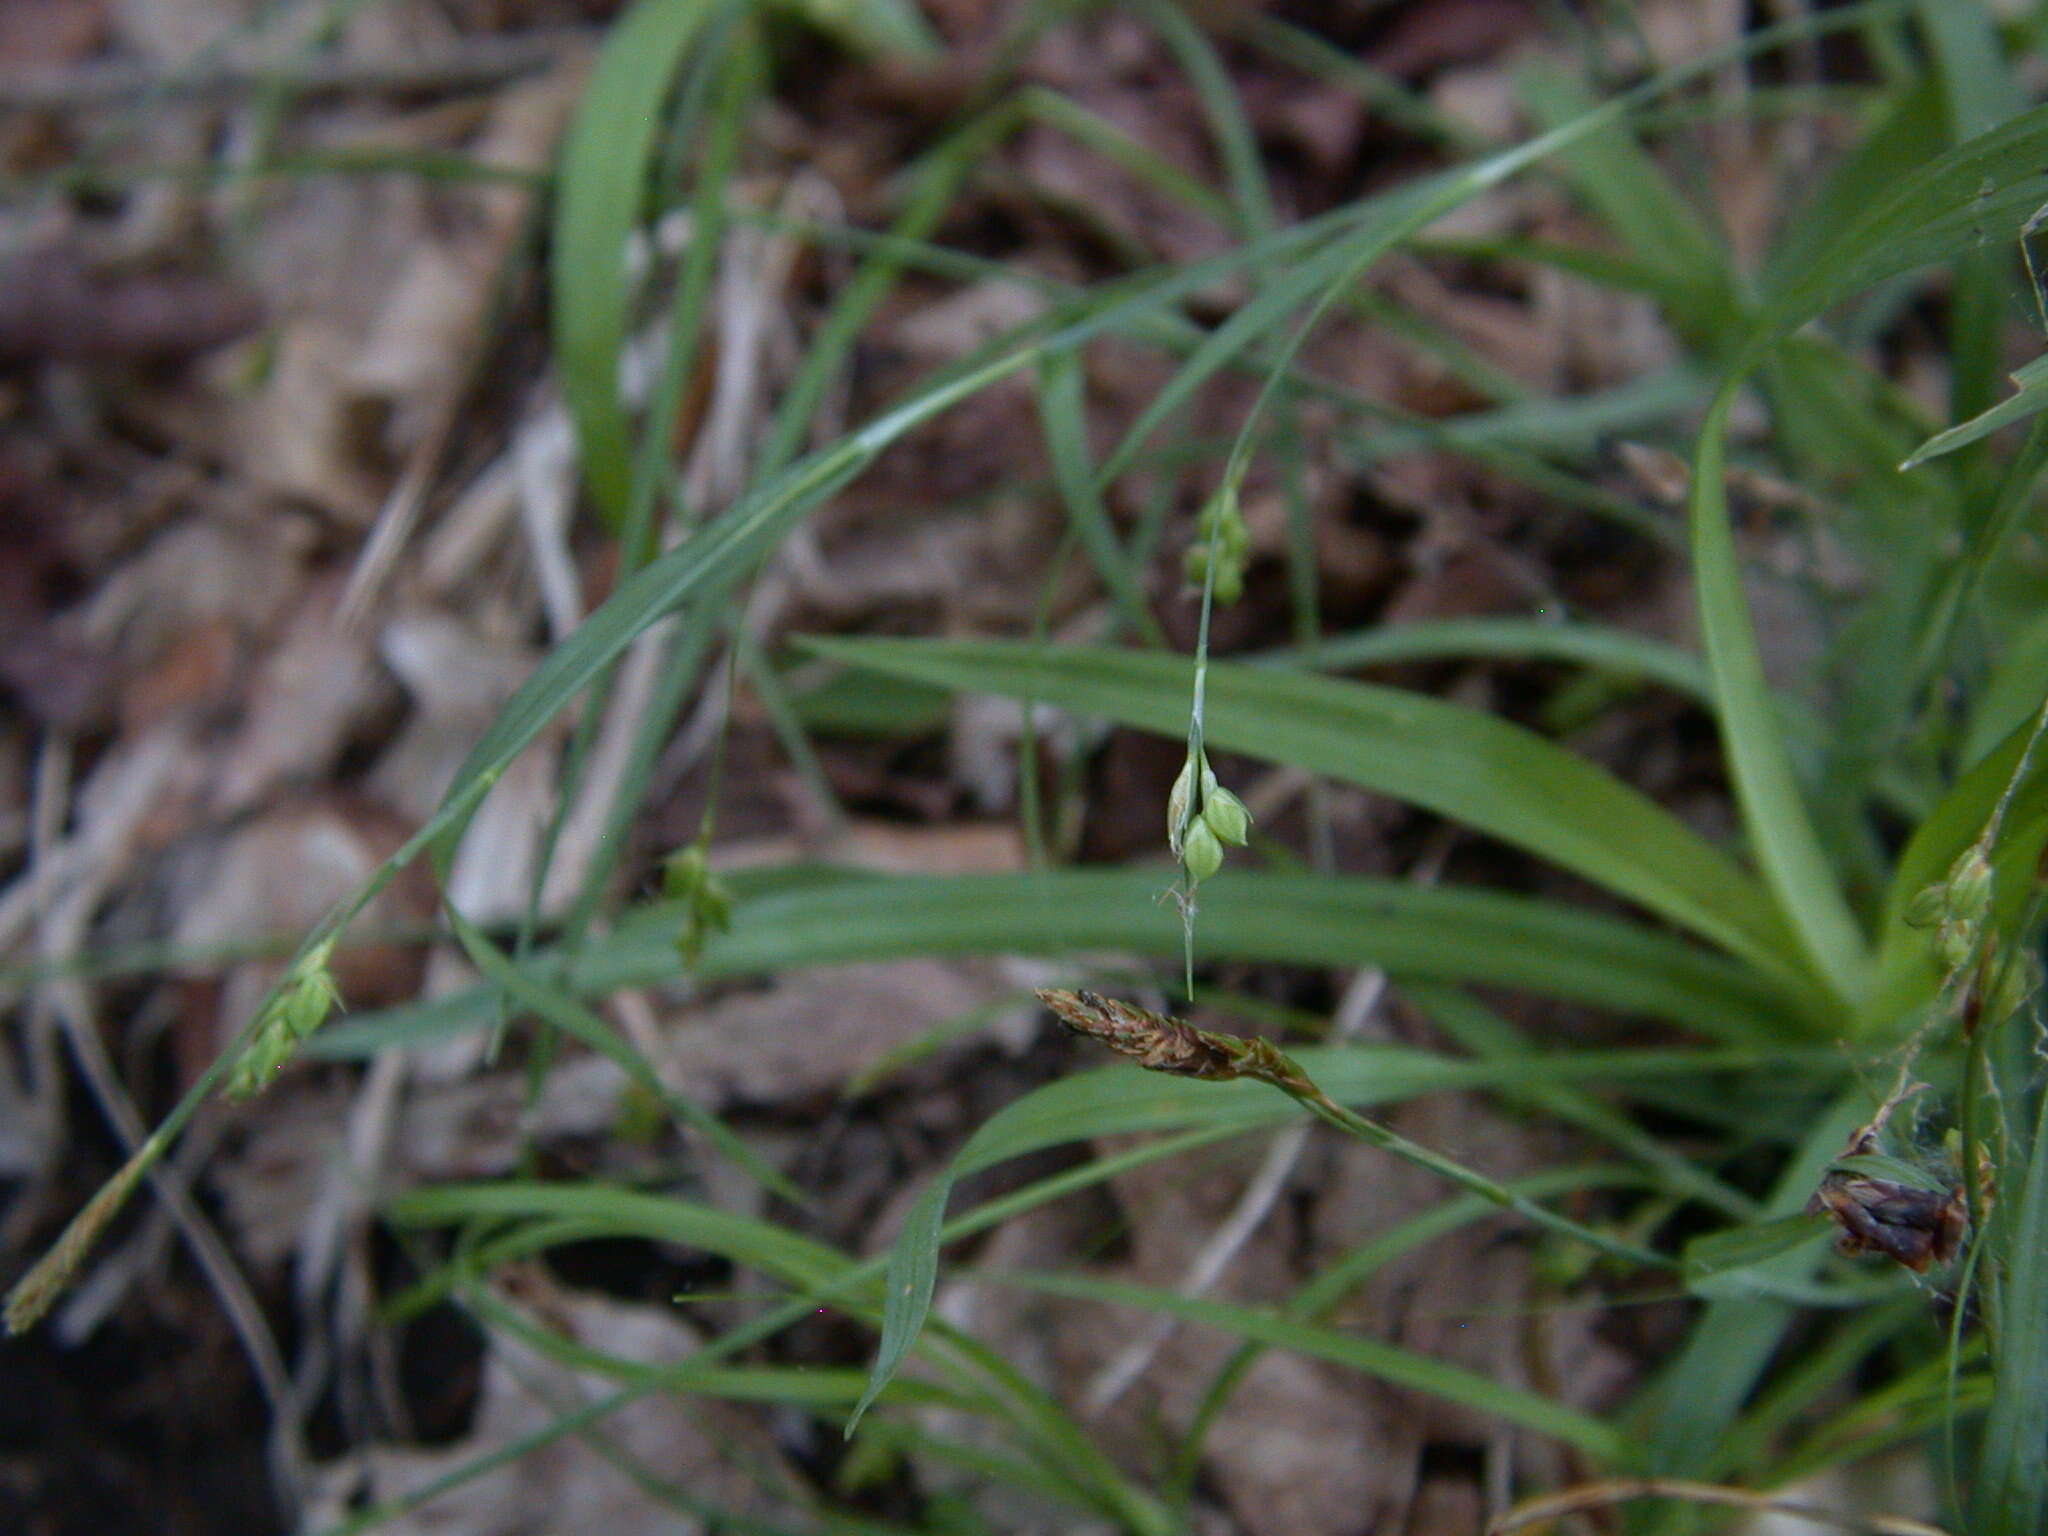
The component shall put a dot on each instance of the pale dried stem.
(61, 929)
(1625, 1490)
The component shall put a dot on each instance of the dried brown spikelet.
(1160, 1043)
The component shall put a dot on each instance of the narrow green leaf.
(1725, 1263)
(1378, 224)
(707, 561)
(2010, 1496)
(1384, 1362)
(1977, 194)
(1978, 90)
(1461, 763)
(1063, 412)
(2010, 696)
(1906, 973)
(572, 1018)
(1446, 934)
(1122, 1101)
(906, 1292)
(1692, 1404)
(606, 157)
(1586, 645)
(2030, 400)
(1780, 831)
(1632, 194)
(1908, 135)
(1237, 145)
(886, 28)
(745, 1240)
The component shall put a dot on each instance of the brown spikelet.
(1160, 1043)
(37, 1291)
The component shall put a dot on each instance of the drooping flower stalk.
(1161, 1043)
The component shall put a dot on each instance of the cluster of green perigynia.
(1202, 817)
(707, 902)
(300, 1004)
(1955, 907)
(1221, 537)
(1958, 910)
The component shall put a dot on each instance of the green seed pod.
(1177, 802)
(1222, 519)
(684, 872)
(1227, 817)
(312, 998)
(1969, 886)
(1201, 854)
(299, 1006)
(707, 902)
(1954, 943)
(1221, 539)
(1927, 906)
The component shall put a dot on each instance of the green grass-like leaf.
(826, 916)
(1121, 1101)
(606, 158)
(1491, 775)
(2030, 399)
(1370, 1357)
(2010, 1495)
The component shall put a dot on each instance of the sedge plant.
(1848, 982)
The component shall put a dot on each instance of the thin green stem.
(1374, 1134)
(1161, 1043)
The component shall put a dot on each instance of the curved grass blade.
(1493, 776)
(606, 157)
(979, 1219)
(1978, 194)
(1958, 201)
(1484, 1033)
(1318, 1297)
(1381, 223)
(1691, 1406)
(2010, 1495)
(1062, 411)
(526, 990)
(1780, 831)
(810, 1267)
(1385, 1362)
(881, 27)
(1732, 1262)
(1819, 1375)
(1121, 1101)
(1587, 645)
(707, 561)
(1907, 975)
(2030, 399)
(759, 1245)
(1445, 934)
(1634, 197)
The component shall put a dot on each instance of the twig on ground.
(1624, 1490)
